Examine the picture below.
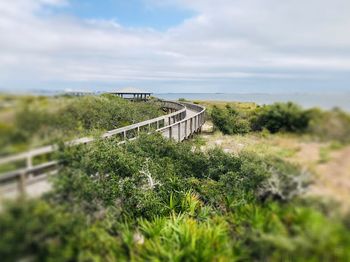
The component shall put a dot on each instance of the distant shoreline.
(307, 100)
(323, 100)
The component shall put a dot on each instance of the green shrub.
(38, 231)
(277, 117)
(181, 238)
(276, 232)
(229, 121)
(41, 120)
(333, 125)
(330, 125)
(141, 174)
(155, 199)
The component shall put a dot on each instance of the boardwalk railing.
(185, 128)
(184, 120)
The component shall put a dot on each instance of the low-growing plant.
(229, 121)
(331, 125)
(155, 199)
(42, 120)
(290, 231)
(277, 117)
(181, 238)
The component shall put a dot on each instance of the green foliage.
(284, 232)
(229, 120)
(41, 120)
(278, 117)
(157, 200)
(38, 231)
(331, 125)
(142, 174)
(180, 238)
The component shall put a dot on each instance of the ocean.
(323, 100)
(307, 100)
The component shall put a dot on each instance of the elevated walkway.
(185, 120)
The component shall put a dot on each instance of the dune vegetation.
(154, 199)
(241, 118)
(31, 121)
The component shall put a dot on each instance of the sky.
(176, 45)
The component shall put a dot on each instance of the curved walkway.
(185, 120)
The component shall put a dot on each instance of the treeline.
(283, 117)
(156, 200)
(34, 121)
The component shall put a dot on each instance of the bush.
(229, 121)
(333, 125)
(277, 117)
(41, 120)
(155, 199)
(330, 125)
(38, 231)
(141, 175)
(276, 232)
(180, 238)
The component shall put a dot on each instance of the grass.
(222, 104)
(282, 145)
(327, 150)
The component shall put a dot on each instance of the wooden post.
(124, 133)
(22, 184)
(157, 125)
(179, 131)
(194, 125)
(29, 161)
(185, 129)
(191, 126)
(170, 132)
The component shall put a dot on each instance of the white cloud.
(228, 39)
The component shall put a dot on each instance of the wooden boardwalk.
(182, 122)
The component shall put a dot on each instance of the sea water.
(307, 100)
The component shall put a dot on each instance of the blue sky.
(130, 13)
(176, 45)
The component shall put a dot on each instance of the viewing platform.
(132, 94)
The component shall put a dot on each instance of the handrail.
(180, 112)
(185, 128)
(51, 148)
(177, 125)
